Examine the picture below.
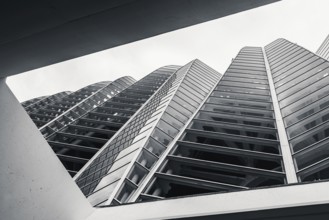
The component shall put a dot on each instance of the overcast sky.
(305, 22)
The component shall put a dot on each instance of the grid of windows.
(85, 105)
(73, 142)
(49, 109)
(323, 50)
(181, 104)
(34, 105)
(231, 143)
(142, 91)
(302, 85)
(108, 183)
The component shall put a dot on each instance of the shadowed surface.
(39, 33)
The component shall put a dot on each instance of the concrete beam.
(38, 33)
(291, 202)
(33, 182)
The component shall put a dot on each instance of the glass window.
(102, 195)
(308, 124)
(307, 111)
(294, 64)
(112, 176)
(272, 46)
(302, 81)
(245, 85)
(243, 79)
(245, 75)
(240, 58)
(211, 73)
(306, 100)
(278, 49)
(174, 112)
(237, 110)
(232, 141)
(256, 62)
(240, 103)
(281, 59)
(259, 65)
(192, 84)
(288, 57)
(288, 75)
(241, 96)
(309, 138)
(203, 82)
(307, 89)
(189, 99)
(172, 120)
(312, 155)
(161, 137)
(155, 147)
(206, 75)
(291, 60)
(245, 67)
(196, 93)
(122, 161)
(242, 90)
(129, 149)
(172, 131)
(180, 108)
(234, 129)
(242, 71)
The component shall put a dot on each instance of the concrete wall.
(290, 202)
(33, 182)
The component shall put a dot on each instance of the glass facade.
(188, 130)
(95, 99)
(50, 108)
(37, 108)
(231, 143)
(73, 139)
(323, 50)
(181, 103)
(147, 93)
(301, 83)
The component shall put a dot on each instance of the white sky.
(305, 22)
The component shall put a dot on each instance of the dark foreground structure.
(186, 142)
(38, 33)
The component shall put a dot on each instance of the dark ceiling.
(37, 33)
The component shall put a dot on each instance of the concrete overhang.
(38, 33)
(290, 202)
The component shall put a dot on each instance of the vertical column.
(34, 184)
(284, 143)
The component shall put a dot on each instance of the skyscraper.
(150, 132)
(323, 50)
(254, 138)
(231, 144)
(301, 84)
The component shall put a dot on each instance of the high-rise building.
(125, 162)
(232, 142)
(64, 107)
(323, 50)
(251, 144)
(261, 125)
